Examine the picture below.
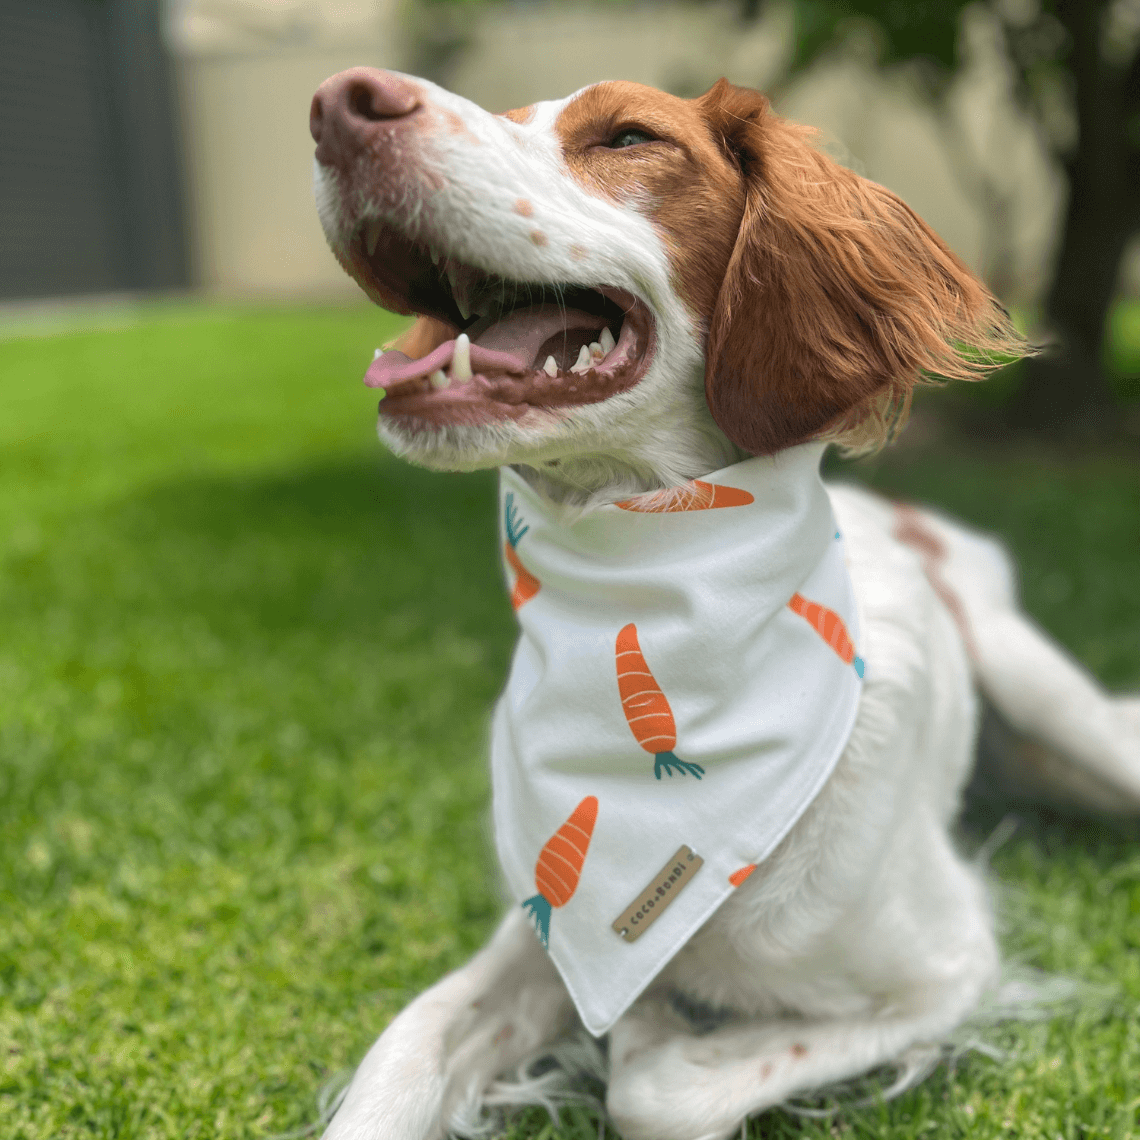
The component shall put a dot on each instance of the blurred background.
(246, 658)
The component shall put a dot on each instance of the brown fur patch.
(519, 115)
(457, 126)
(911, 529)
(539, 238)
(579, 252)
(693, 189)
(524, 208)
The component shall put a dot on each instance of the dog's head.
(628, 288)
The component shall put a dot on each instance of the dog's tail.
(1051, 731)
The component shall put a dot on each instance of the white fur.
(865, 935)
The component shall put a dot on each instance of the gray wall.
(90, 188)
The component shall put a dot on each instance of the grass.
(245, 672)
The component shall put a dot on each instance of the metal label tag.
(667, 884)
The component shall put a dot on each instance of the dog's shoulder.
(915, 655)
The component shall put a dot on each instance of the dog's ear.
(837, 299)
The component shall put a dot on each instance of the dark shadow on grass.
(346, 544)
(989, 801)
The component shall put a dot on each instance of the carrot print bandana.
(686, 677)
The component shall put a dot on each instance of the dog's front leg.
(445, 1048)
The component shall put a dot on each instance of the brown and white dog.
(617, 293)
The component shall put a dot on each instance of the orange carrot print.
(829, 625)
(559, 865)
(695, 496)
(646, 708)
(738, 877)
(526, 584)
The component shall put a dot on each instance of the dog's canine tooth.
(551, 366)
(461, 360)
(606, 340)
(439, 379)
(597, 353)
(377, 353)
(459, 293)
(585, 359)
(460, 290)
(372, 236)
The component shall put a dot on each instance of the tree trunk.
(1066, 390)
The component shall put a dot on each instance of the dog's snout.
(348, 108)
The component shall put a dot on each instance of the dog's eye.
(629, 137)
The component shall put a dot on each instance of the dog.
(617, 294)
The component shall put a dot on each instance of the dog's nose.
(348, 109)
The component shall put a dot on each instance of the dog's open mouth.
(493, 348)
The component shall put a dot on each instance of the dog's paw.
(654, 1097)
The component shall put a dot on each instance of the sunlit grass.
(245, 670)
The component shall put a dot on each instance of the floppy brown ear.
(838, 298)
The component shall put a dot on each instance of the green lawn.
(245, 672)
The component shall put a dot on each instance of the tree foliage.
(1076, 65)
(911, 29)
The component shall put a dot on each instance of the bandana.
(684, 683)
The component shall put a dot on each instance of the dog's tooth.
(459, 291)
(439, 379)
(372, 236)
(377, 354)
(596, 353)
(584, 360)
(606, 340)
(551, 366)
(461, 360)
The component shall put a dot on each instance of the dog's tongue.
(510, 345)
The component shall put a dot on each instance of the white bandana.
(684, 683)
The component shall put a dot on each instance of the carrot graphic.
(526, 584)
(829, 625)
(559, 865)
(646, 709)
(738, 877)
(695, 496)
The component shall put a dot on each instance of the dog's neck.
(667, 457)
